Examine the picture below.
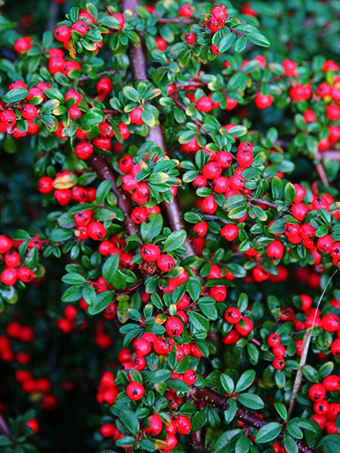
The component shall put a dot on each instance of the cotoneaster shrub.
(189, 203)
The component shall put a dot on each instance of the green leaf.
(281, 410)
(226, 42)
(159, 376)
(245, 381)
(61, 235)
(290, 444)
(250, 401)
(268, 432)
(258, 39)
(130, 421)
(178, 385)
(194, 288)
(103, 190)
(101, 302)
(15, 95)
(131, 93)
(199, 419)
(175, 240)
(227, 383)
(152, 228)
(73, 279)
(230, 413)
(290, 193)
(110, 267)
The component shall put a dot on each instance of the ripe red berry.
(244, 327)
(275, 250)
(96, 231)
(317, 392)
(278, 363)
(45, 185)
(190, 38)
(174, 327)
(161, 44)
(273, 339)
(154, 425)
(29, 112)
(5, 244)
(23, 44)
(150, 252)
(183, 425)
(104, 86)
(80, 27)
(62, 33)
(330, 322)
(12, 259)
(83, 150)
(230, 232)
(135, 391)
(331, 383)
(166, 263)
(190, 377)
(219, 293)
(263, 102)
(205, 105)
(9, 277)
(232, 315)
(211, 170)
(185, 11)
(24, 274)
(136, 116)
(142, 346)
(201, 229)
(219, 12)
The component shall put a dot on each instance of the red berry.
(317, 392)
(183, 425)
(278, 363)
(185, 11)
(165, 263)
(230, 232)
(190, 38)
(24, 274)
(5, 244)
(155, 425)
(263, 102)
(12, 259)
(201, 229)
(45, 185)
(96, 231)
(135, 391)
(204, 104)
(136, 116)
(174, 327)
(29, 112)
(62, 33)
(83, 150)
(80, 27)
(275, 250)
(232, 315)
(273, 339)
(219, 12)
(244, 327)
(8, 277)
(190, 377)
(150, 252)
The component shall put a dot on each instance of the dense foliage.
(170, 234)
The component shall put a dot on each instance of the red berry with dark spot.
(96, 231)
(135, 391)
(174, 327)
(150, 252)
(166, 263)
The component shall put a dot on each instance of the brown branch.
(177, 20)
(197, 441)
(139, 70)
(190, 83)
(322, 174)
(100, 74)
(4, 429)
(215, 399)
(269, 204)
(104, 171)
(53, 14)
(238, 33)
(330, 154)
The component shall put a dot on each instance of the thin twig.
(305, 348)
(215, 399)
(322, 174)
(4, 429)
(104, 171)
(139, 69)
